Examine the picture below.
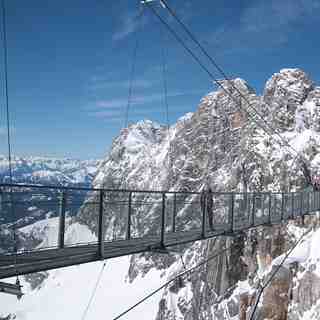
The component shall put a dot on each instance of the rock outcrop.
(230, 144)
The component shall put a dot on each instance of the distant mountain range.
(44, 171)
(41, 170)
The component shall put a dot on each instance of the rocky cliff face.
(222, 145)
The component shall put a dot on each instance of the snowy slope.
(65, 293)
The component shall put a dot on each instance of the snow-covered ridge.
(49, 170)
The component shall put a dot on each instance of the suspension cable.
(164, 76)
(8, 123)
(275, 272)
(184, 273)
(215, 64)
(133, 66)
(93, 292)
(5, 62)
(179, 39)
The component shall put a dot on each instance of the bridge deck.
(179, 218)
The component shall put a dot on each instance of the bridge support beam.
(101, 227)
(292, 206)
(231, 214)
(269, 210)
(282, 206)
(128, 229)
(203, 222)
(62, 219)
(163, 220)
(174, 213)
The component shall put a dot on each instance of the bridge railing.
(125, 215)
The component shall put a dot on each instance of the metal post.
(270, 199)
(301, 204)
(62, 219)
(282, 205)
(203, 222)
(128, 234)
(292, 205)
(101, 226)
(253, 210)
(174, 213)
(163, 220)
(308, 202)
(231, 209)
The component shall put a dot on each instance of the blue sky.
(69, 64)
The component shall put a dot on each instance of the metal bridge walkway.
(129, 221)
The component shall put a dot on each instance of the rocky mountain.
(244, 143)
(230, 144)
(40, 170)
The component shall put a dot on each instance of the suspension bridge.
(125, 222)
(179, 217)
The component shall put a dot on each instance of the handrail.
(172, 220)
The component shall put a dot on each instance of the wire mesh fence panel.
(317, 200)
(170, 212)
(188, 212)
(76, 198)
(7, 243)
(222, 204)
(312, 205)
(116, 216)
(258, 209)
(77, 231)
(305, 202)
(296, 204)
(32, 204)
(266, 201)
(194, 211)
(32, 213)
(276, 207)
(241, 210)
(146, 214)
(43, 233)
(287, 206)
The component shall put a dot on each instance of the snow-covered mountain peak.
(284, 92)
(143, 133)
(288, 85)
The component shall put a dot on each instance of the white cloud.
(114, 109)
(109, 84)
(139, 99)
(3, 131)
(129, 23)
(265, 24)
